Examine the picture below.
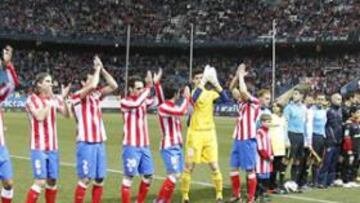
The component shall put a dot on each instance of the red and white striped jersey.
(89, 123)
(263, 162)
(246, 121)
(134, 109)
(43, 134)
(170, 122)
(6, 89)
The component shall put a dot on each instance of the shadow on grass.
(202, 195)
(197, 195)
(149, 199)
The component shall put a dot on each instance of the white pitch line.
(193, 182)
(117, 171)
(306, 199)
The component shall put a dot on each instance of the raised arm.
(12, 79)
(234, 81)
(94, 81)
(110, 81)
(158, 89)
(212, 77)
(242, 85)
(63, 106)
(165, 110)
(285, 98)
(128, 104)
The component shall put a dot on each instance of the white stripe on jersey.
(248, 113)
(263, 143)
(5, 91)
(134, 109)
(87, 110)
(43, 134)
(2, 139)
(170, 122)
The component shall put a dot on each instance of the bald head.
(336, 99)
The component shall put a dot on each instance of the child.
(264, 156)
(279, 143)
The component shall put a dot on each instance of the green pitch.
(17, 138)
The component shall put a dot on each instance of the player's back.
(202, 117)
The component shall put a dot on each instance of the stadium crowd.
(310, 123)
(170, 20)
(326, 73)
(309, 129)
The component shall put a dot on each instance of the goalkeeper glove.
(213, 77)
(205, 77)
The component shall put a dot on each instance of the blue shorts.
(173, 158)
(91, 160)
(263, 175)
(137, 160)
(243, 154)
(6, 172)
(45, 164)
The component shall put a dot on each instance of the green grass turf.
(18, 143)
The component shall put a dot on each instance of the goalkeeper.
(201, 142)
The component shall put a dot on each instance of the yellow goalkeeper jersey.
(203, 115)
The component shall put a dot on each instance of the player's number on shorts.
(131, 164)
(38, 166)
(85, 166)
(174, 161)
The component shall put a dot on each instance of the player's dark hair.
(170, 89)
(197, 71)
(85, 72)
(39, 78)
(354, 109)
(280, 106)
(133, 79)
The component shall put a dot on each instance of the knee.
(214, 166)
(189, 167)
(85, 181)
(127, 181)
(176, 176)
(99, 181)
(251, 174)
(8, 184)
(147, 178)
(40, 182)
(51, 182)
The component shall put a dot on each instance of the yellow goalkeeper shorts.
(201, 146)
